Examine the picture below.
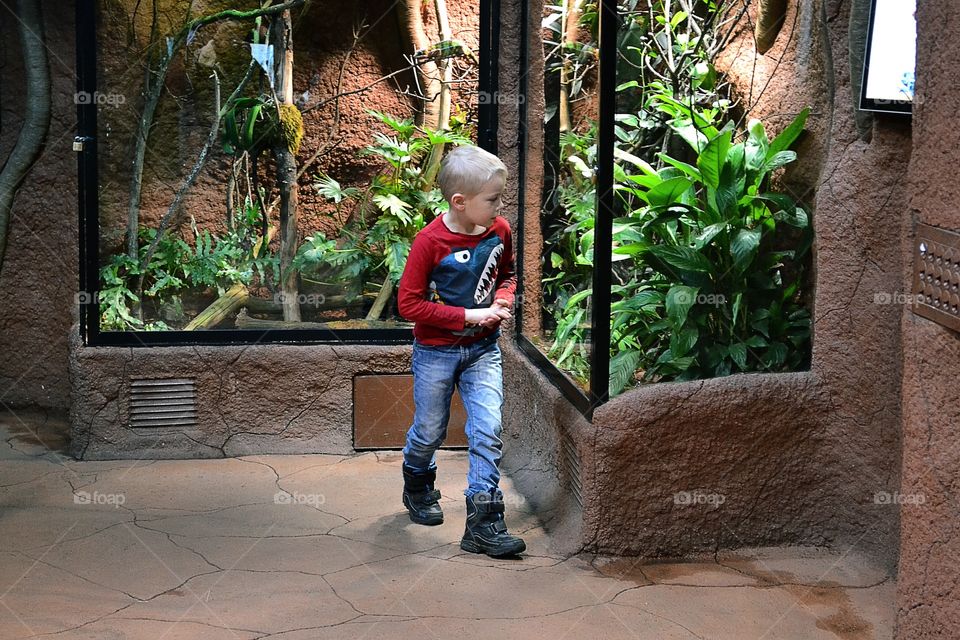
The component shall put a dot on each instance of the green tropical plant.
(214, 262)
(386, 215)
(709, 263)
(719, 292)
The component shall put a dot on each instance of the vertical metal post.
(603, 224)
(85, 145)
(489, 70)
(521, 170)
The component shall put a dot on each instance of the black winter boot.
(486, 531)
(420, 498)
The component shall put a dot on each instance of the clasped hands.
(490, 316)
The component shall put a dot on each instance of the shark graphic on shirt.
(468, 277)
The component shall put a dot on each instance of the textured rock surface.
(309, 547)
(929, 582)
(785, 458)
(243, 404)
(536, 420)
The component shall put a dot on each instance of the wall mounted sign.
(890, 60)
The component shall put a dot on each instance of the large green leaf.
(738, 353)
(685, 258)
(729, 189)
(744, 247)
(756, 146)
(684, 340)
(390, 203)
(703, 238)
(783, 141)
(680, 298)
(622, 368)
(778, 160)
(693, 136)
(688, 169)
(396, 258)
(668, 191)
(712, 159)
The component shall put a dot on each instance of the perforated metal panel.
(571, 464)
(936, 281)
(160, 403)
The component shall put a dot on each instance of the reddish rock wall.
(38, 279)
(928, 584)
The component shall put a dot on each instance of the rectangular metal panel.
(383, 411)
(936, 275)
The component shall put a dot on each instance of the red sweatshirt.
(448, 272)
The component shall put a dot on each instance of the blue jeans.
(475, 369)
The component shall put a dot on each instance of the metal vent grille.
(936, 278)
(571, 464)
(159, 403)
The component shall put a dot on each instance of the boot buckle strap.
(491, 507)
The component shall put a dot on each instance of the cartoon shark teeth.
(488, 276)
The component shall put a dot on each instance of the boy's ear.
(458, 200)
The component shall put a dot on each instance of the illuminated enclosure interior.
(706, 271)
(227, 201)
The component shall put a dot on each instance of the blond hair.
(467, 169)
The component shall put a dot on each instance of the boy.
(457, 286)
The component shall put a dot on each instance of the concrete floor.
(315, 547)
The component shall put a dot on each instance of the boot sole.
(429, 521)
(494, 552)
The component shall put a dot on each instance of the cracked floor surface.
(319, 546)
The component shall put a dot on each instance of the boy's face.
(482, 208)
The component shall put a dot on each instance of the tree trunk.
(436, 153)
(282, 39)
(244, 321)
(173, 211)
(428, 76)
(237, 296)
(432, 165)
(571, 20)
(154, 79)
(769, 21)
(36, 120)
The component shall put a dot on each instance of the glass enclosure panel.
(561, 326)
(708, 272)
(241, 188)
(708, 240)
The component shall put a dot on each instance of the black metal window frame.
(89, 207)
(598, 393)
